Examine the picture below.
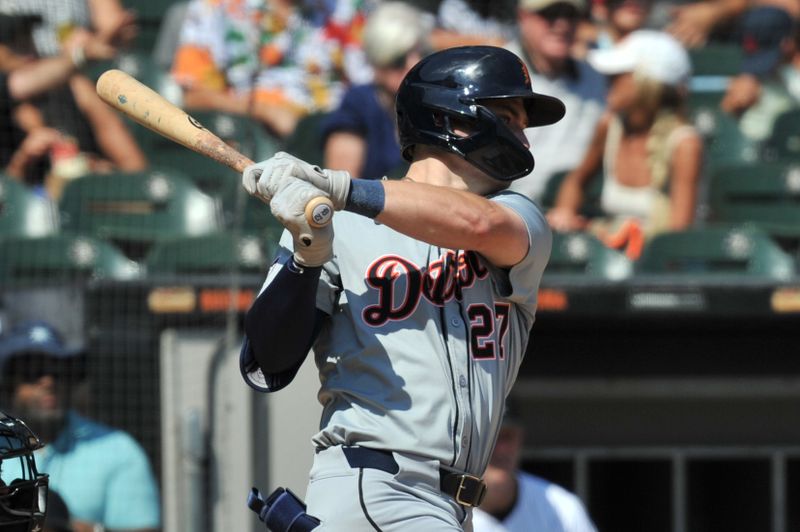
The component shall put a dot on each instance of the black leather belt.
(467, 490)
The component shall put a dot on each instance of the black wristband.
(367, 197)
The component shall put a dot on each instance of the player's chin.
(495, 185)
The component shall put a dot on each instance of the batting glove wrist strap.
(264, 179)
(367, 197)
(339, 185)
(313, 246)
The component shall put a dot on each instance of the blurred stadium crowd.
(688, 138)
(679, 153)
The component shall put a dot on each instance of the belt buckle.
(463, 484)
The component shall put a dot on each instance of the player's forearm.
(454, 219)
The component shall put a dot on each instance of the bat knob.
(319, 212)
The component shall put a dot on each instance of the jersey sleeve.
(520, 283)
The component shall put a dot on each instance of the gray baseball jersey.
(423, 343)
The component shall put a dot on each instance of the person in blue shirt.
(360, 136)
(102, 473)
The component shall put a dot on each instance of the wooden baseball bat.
(153, 111)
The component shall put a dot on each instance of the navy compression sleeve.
(283, 322)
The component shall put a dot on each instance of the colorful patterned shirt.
(304, 59)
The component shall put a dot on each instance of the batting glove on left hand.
(312, 246)
(263, 179)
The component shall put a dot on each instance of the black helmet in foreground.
(23, 490)
(454, 83)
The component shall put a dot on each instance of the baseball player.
(419, 309)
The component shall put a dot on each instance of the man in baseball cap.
(35, 362)
(547, 35)
(759, 94)
(102, 473)
(34, 337)
(767, 39)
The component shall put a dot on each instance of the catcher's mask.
(454, 84)
(23, 490)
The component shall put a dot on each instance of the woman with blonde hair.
(649, 153)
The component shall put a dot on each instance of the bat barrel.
(153, 111)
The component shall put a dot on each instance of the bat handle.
(319, 212)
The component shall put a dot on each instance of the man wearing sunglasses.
(102, 473)
(546, 38)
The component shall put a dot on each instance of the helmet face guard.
(23, 490)
(493, 148)
(456, 83)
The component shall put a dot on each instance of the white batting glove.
(259, 179)
(312, 246)
(264, 179)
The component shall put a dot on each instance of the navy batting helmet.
(454, 83)
(23, 490)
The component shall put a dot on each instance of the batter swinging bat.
(150, 109)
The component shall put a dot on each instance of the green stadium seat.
(211, 177)
(578, 255)
(724, 141)
(136, 209)
(257, 218)
(765, 194)
(784, 142)
(168, 36)
(143, 67)
(23, 213)
(241, 132)
(306, 140)
(591, 199)
(715, 252)
(62, 257)
(150, 14)
(213, 254)
(150, 9)
(716, 59)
